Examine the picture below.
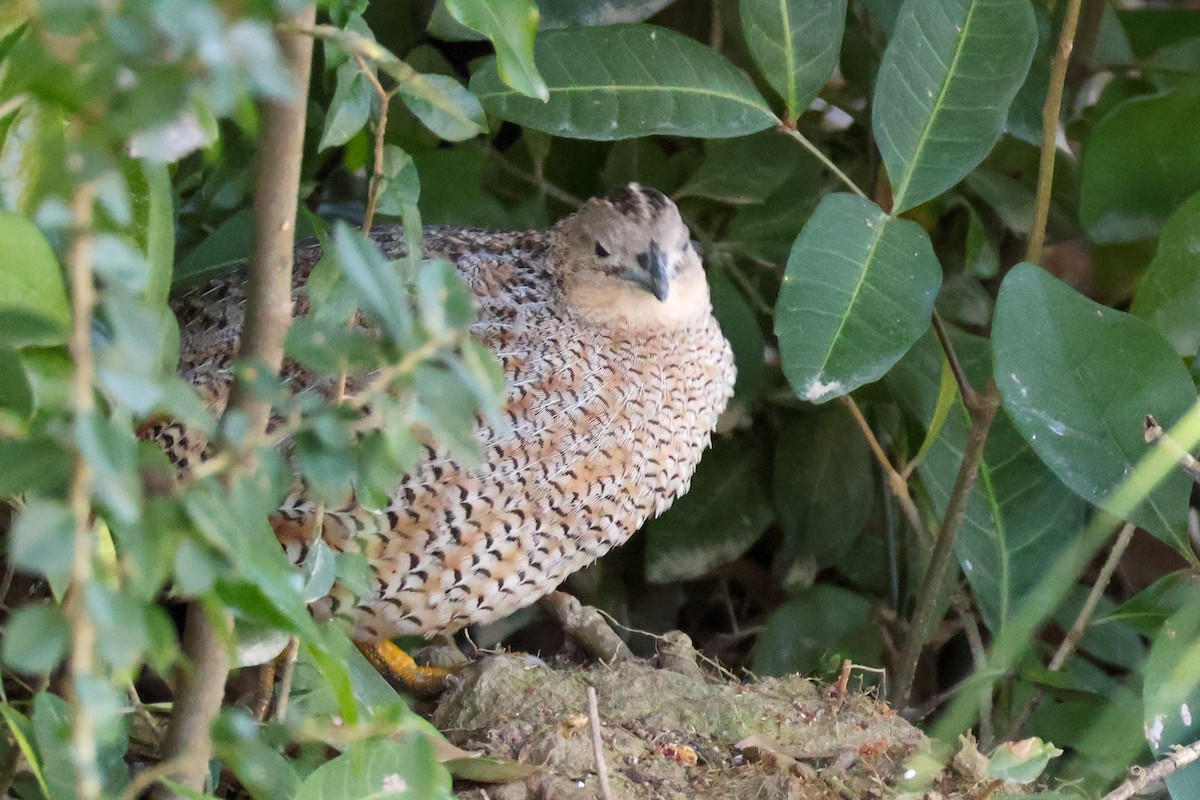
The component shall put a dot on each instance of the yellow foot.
(402, 672)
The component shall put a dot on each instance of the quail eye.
(600, 251)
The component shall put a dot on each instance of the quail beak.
(654, 272)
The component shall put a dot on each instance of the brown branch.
(1155, 435)
(1050, 114)
(586, 626)
(1141, 777)
(598, 745)
(970, 397)
(83, 635)
(926, 617)
(897, 483)
(268, 315)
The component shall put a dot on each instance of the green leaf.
(35, 638)
(36, 464)
(405, 770)
(948, 75)
(740, 325)
(723, 513)
(822, 621)
(858, 292)
(1171, 692)
(400, 187)
(111, 450)
(824, 485)
(16, 395)
(1019, 517)
(511, 25)
(795, 43)
(31, 283)
(1023, 761)
(629, 80)
(1078, 379)
(153, 224)
(1168, 295)
(381, 289)
(744, 170)
(228, 246)
(349, 108)
(1140, 163)
(43, 540)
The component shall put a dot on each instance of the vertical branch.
(83, 635)
(268, 315)
(1050, 113)
(925, 616)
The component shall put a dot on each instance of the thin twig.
(1141, 777)
(1050, 114)
(285, 679)
(148, 777)
(896, 482)
(970, 397)
(377, 176)
(598, 745)
(544, 186)
(1157, 436)
(1071, 641)
(970, 626)
(925, 617)
(83, 635)
(791, 131)
(268, 315)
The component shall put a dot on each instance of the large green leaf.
(858, 291)
(1168, 296)
(948, 75)
(511, 25)
(31, 283)
(1019, 516)
(396, 770)
(1171, 692)
(820, 622)
(823, 487)
(1140, 163)
(725, 512)
(745, 170)
(795, 43)
(1078, 379)
(629, 80)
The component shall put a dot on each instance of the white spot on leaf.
(818, 390)
(1154, 731)
(394, 783)
(1185, 714)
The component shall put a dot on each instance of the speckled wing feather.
(606, 427)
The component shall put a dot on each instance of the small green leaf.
(511, 25)
(35, 638)
(31, 283)
(380, 287)
(858, 292)
(725, 512)
(320, 569)
(1140, 163)
(445, 303)
(349, 108)
(795, 43)
(625, 81)
(948, 75)
(1021, 762)
(400, 187)
(36, 464)
(1078, 379)
(111, 450)
(16, 395)
(1168, 295)
(43, 540)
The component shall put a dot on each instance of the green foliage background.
(846, 167)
